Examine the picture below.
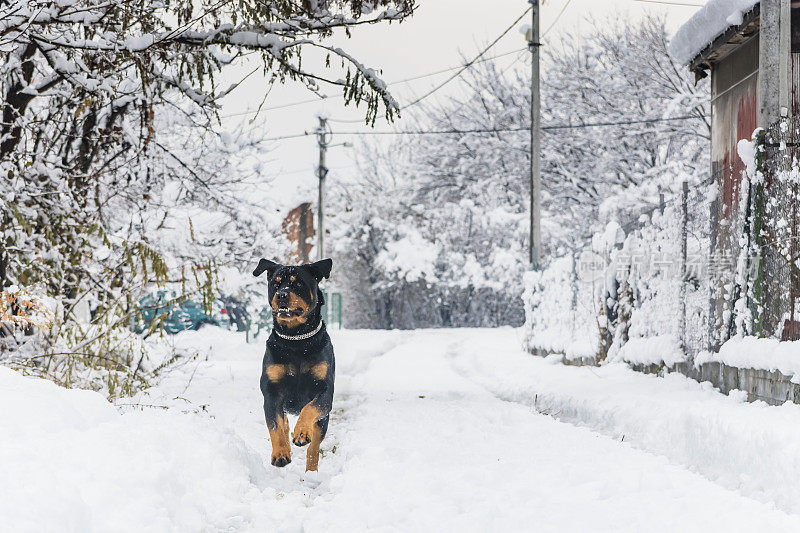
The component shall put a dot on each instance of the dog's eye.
(293, 278)
(278, 279)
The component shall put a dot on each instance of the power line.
(622, 123)
(450, 69)
(558, 17)
(469, 64)
(494, 130)
(396, 82)
(668, 3)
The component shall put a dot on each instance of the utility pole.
(684, 259)
(536, 143)
(323, 138)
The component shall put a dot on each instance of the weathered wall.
(734, 108)
(771, 387)
(734, 100)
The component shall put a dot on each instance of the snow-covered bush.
(562, 314)
(650, 263)
(115, 173)
(427, 239)
(632, 286)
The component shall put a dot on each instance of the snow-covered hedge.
(758, 354)
(658, 349)
(561, 315)
(621, 297)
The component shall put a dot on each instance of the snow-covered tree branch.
(115, 171)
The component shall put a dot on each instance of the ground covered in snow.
(450, 430)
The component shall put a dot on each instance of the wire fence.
(736, 255)
(778, 285)
(670, 273)
(737, 251)
(717, 258)
(645, 278)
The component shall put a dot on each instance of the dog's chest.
(289, 372)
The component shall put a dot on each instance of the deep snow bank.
(760, 354)
(751, 447)
(658, 349)
(71, 462)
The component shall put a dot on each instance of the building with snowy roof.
(751, 50)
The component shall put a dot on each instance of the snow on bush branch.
(115, 175)
(22, 309)
(155, 38)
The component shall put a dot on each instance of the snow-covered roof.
(706, 25)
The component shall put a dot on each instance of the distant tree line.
(434, 228)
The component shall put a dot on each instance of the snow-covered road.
(417, 442)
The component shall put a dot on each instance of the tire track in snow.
(420, 447)
(468, 363)
(429, 450)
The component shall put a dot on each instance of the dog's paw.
(301, 436)
(281, 459)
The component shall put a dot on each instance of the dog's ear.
(321, 269)
(266, 265)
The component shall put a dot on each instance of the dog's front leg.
(279, 436)
(308, 429)
(277, 423)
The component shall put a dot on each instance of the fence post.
(338, 299)
(712, 267)
(574, 281)
(684, 238)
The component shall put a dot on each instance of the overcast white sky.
(439, 34)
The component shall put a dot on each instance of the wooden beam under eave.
(726, 43)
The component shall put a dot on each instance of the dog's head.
(294, 290)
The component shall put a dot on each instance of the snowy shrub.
(426, 239)
(632, 287)
(116, 177)
(562, 314)
(650, 264)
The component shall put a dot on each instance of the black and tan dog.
(297, 374)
